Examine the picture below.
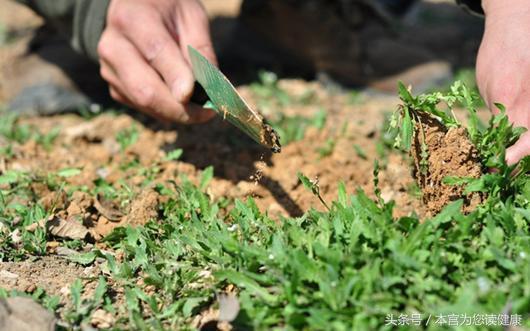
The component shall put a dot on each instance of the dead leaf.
(107, 209)
(59, 227)
(70, 228)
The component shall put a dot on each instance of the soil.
(91, 146)
(52, 273)
(344, 150)
(450, 154)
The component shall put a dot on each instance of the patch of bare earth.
(53, 274)
(450, 154)
(91, 146)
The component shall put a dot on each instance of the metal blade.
(229, 104)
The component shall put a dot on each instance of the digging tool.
(230, 105)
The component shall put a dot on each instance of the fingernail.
(182, 89)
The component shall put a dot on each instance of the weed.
(174, 155)
(5, 37)
(346, 268)
(491, 142)
(127, 137)
(360, 151)
(327, 148)
(46, 140)
(355, 97)
(12, 130)
(312, 185)
(293, 128)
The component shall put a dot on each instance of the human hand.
(503, 65)
(144, 58)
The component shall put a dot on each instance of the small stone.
(30, 288)
(102, 319)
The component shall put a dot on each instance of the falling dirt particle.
(450, 154)
(260, 167)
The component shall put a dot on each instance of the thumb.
(518, 150)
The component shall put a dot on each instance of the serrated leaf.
(206, 177)
(305, 181)
(190, 304)
(404, 93)
(83, 258)
(406, 132)
(101, 289)
(174, 155)
(247, 283)
(9, 177)
(68, 172)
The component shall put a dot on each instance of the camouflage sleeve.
(473, 6)
(82, 21)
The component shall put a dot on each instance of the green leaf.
(68, 172)
(101, 290)
(83, 258)
(190, 304)
(500, 106)
(406, 130)
(449, 212)
(206, 177)
(210, 105)
(305, 181)
(75, 293)
(342, 196)
(243, 281)
(10, 177)
(174, 155)
(404, 94)
(360, 152)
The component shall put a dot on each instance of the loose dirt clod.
(450, 154)
(143, 208)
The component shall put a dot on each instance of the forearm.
(81, 21)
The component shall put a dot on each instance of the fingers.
(519, 150)
(134, 81)
(193, 29)
(146, 30)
